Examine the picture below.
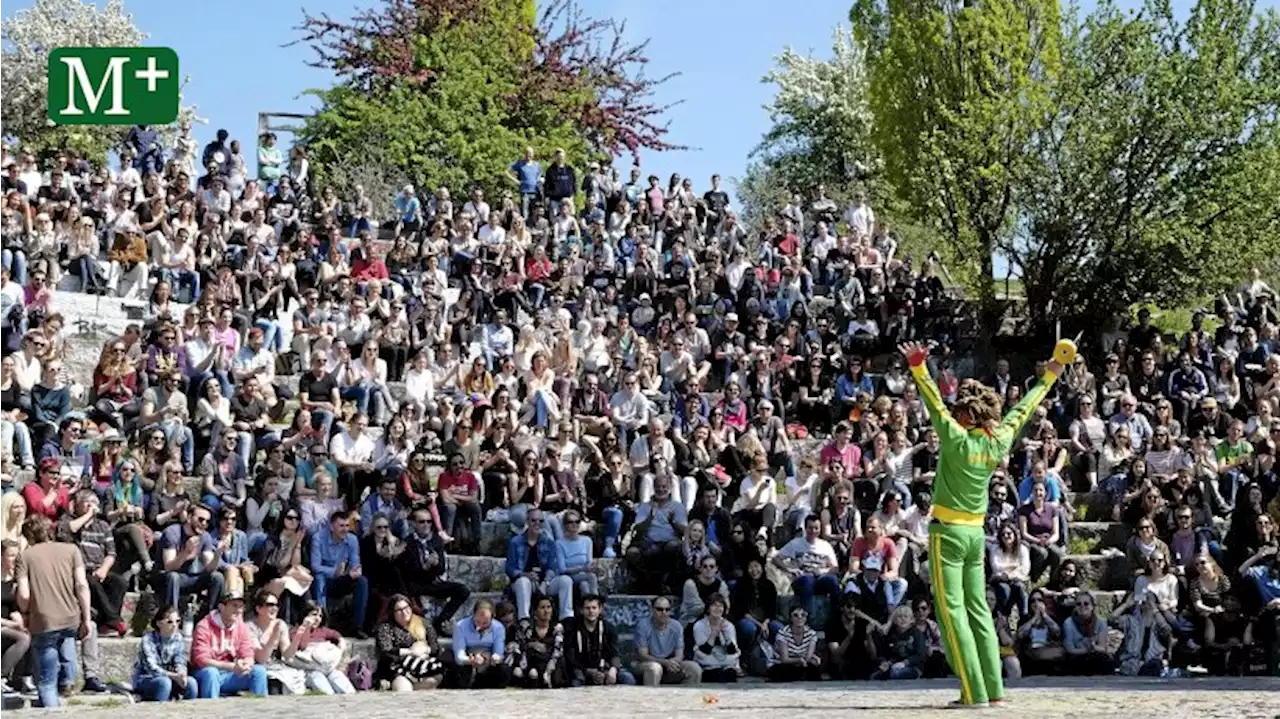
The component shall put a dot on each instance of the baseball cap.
(873, 562)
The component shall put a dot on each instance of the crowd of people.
(610, 367)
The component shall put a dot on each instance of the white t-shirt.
(811, 558)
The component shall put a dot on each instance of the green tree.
(450, 92)
(820, 132)
(956, 93)
(28, 36)
(1155, 177)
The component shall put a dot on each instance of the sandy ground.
(1113, 697)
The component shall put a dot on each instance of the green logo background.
(147, 91)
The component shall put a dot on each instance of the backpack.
(360, 674)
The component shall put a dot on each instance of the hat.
(111, 434)
(234, 595)
(873, 562)
(206, 319)
(1208, 403)
(645, 296)
(731, 317)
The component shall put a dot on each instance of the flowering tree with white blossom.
(821, 129)
(29, 36)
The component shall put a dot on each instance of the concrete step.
(1098, 571)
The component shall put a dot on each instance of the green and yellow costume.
(957, 546)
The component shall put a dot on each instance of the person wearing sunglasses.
(160, 670)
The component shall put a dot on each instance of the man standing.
(425, 566)
(559, 184)
(87, 530)
(528, 174)
(335, 564)
(974, 441)
(53, 592)
(660, 646)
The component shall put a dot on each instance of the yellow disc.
(1064, 352)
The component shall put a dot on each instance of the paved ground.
(1114, 697)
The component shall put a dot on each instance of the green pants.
(956, 556)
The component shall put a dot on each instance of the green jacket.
(967, 458)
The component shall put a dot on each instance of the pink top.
(213, 642)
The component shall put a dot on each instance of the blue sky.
(234, 52)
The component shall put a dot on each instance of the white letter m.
(78, 77)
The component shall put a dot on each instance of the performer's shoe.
(957, 704)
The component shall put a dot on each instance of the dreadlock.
(979, 402)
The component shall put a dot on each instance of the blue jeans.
(322, 419)
(160, 689)
(326, 586)
(55, 654)
(624, 677)
(18, 436)
(176, 278)
(613, 517)
(359, 394)
(272, 337)
(216, 682)
(806, 585)
(16, 262)
(748, 631)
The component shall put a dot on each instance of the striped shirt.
(798, 647)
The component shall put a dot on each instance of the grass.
(110, 704)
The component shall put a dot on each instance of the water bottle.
(189, 620)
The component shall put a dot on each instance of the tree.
(454, 90)
(1156, 174)
(956, 92)
(28, 37)
(821, 131)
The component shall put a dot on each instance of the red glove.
(917, 358)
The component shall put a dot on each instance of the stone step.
(1099, 571)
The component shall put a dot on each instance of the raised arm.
(1063, 353)
(944, 424)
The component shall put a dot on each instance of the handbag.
(323, 657)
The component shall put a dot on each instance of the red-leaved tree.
(568, 64)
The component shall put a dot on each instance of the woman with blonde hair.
(13, 512)
(82, 255)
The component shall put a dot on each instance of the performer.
(974, 440)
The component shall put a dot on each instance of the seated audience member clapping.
(336, 568)
(223, 652)
(479, 648)
(190, 560)
(715, 646)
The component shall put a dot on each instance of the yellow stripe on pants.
(944, 613)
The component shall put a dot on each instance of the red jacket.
(212, 642)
